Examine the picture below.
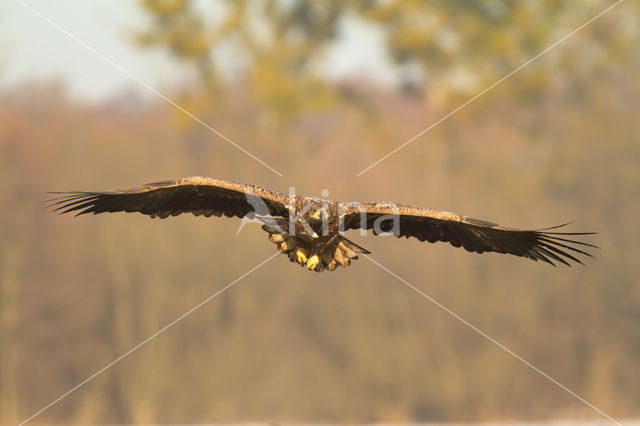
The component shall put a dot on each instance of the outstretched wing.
(473, 234)
(196, 195)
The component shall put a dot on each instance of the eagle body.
(314, 218)
(312, 234)
(310, 231)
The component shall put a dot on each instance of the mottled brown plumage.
(310, 230)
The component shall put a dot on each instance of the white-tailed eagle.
(311, 230)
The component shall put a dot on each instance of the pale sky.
(33, 49)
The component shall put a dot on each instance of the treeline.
(285, 344)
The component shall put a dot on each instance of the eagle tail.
(341, 253)
(354, 247)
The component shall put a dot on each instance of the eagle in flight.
(310, 231)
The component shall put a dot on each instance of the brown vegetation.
(286, 344)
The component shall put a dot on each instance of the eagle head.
(319, 212)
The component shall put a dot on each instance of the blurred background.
(319, 91)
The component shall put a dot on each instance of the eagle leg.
(302, 255)
(313, 263)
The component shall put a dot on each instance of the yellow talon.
(277, 238)
(302, 256)
(313, 262)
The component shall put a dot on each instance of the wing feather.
(196, 195)
(474, 235)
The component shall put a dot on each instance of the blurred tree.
(279, 46)
(77, 293)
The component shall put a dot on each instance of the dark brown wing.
(196, 195)
(473, 234)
